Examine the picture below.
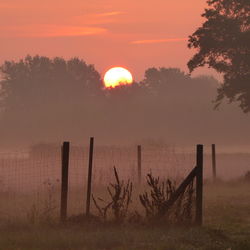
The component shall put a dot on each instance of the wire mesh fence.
(30, 182)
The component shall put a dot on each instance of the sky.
(134, 34)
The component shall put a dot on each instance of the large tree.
(45, 96)
(36, 82)
(223, 43)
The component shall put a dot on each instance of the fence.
(30, 182)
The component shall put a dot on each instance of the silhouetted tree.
(38, 81)
(223, 43)
(162, 79)
(174, 87)
(42, 97)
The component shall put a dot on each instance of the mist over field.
(124, 125)
(50, 100)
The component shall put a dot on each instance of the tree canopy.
(223, 43)
(50, 99)
(38, 81)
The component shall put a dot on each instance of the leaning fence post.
(199, 184)
(91, 151)
(214, 161)
(64, 181)
(139, 163)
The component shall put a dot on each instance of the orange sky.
(135, 34)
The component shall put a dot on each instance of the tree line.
(59, 97)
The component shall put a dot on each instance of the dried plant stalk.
(120, 199)
(154, 201)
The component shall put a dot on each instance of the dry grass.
(226, 226)
(28, 220)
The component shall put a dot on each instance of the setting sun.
(117, 76)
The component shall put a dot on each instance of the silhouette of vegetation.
(40, 93)
(153, 201)
(120, 194)
(160, 192)
(36, 81)
(223, 43)
(163, 77)
(51, 99)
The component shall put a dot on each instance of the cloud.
(167, 40)
(49, 31)
(113, 13)
(98, 18)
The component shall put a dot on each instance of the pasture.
(30, 201)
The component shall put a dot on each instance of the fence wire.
(30, 182)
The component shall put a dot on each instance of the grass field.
(226, 226)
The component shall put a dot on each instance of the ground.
(226, 226)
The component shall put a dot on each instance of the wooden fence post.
(214, 162)
(139, 163)
(64, 181)
(91, 151)
(199, 184)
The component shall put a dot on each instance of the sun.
(117, 76)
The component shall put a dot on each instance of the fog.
(51, 100)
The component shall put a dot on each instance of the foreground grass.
(114, 238)
(226, 226)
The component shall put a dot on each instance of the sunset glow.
(103, 32)
(117, 76)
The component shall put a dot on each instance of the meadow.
(226, 226)
(29, 206)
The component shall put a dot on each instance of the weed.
(154, 201)
(120, 194)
